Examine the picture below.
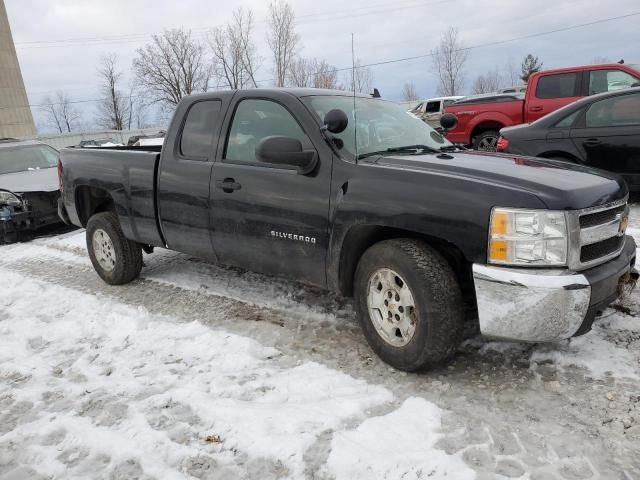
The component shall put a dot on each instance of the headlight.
(9, 199)
(527, 237)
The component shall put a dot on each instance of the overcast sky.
(383, 31)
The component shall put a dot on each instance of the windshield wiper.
(403, 149)
(449, 148)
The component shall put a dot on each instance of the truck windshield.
(23, 158)
(381, 125)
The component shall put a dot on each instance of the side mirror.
(448, 121)
(287, 152)
(336, 120)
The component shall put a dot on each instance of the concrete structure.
(15, 115)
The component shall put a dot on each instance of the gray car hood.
(43, 180)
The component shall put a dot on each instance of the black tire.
(438, 312)
(126, 255)
(487, 141)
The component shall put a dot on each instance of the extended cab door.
(267, 218)
(608, 136)
(551, 92)
(184, 176)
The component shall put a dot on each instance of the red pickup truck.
(481, 117)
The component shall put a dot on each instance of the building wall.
(15, 115)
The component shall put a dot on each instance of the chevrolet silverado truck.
(481, 117)
(353, 194)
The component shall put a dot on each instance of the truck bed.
(504, 109)
(128, 174)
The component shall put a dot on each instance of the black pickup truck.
(358, 196)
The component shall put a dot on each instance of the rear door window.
(569, 120)
(601, 81)
(199, 128)
(619, 111)
(560, 85)
(433, 107)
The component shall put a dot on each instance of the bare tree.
(409, 92)
(487, 83)
(449, 59)
(113, 109)
(60, 113)
(324, 75)
(300, 74)
(512, 75)
(171, 66)
(282, 39)
(311, 72)
(360, 78)
(234, 53)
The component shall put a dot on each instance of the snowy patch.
(596, 351)
(88, 385)
(399, 445)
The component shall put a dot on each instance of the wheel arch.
(485, 126)
(360, 237)
(91, 200)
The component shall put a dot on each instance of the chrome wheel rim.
(103, 250)
(488, 144)
(391, 307)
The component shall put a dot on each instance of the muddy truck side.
(357, 196)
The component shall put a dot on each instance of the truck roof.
(296, 91)
(592, 67)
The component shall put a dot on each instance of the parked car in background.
(480, 119)
(29, 188)
(134, 139)
(600, 131)
(514, 89)
(100, 142)
(432, 109)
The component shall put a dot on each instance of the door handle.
(536, 109)
(228, 185)
(592, 142)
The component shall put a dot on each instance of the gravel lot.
(198, 371)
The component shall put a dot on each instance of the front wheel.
(487, 141)
(409, 304)
(115, 258)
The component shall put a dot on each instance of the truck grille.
(592, 252)
(598, 218)
(602, 233)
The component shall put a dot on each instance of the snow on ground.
(201, 371)
(383, 446)
(111, 384)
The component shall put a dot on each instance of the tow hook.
(627, 283)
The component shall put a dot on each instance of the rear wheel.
(487, 141)
(409, 304)
(115, 258)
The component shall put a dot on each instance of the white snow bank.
(399, 445)
(594, 351)
(92, 384)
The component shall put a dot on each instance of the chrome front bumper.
(547, 305)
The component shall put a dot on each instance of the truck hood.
(43, 180)
(559, 185)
